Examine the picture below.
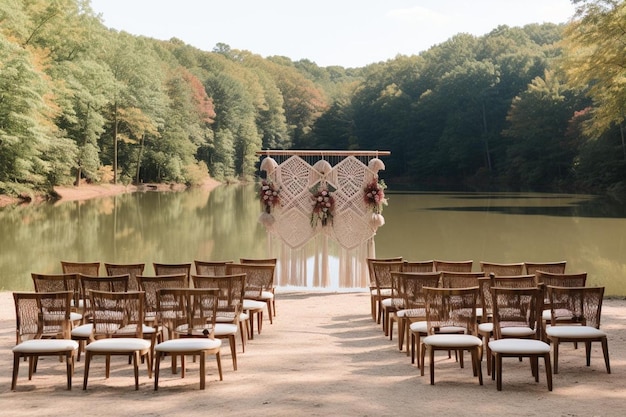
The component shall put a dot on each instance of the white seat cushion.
(517, 331)
(583, 332)
(118, 344)
(188, 345)
(75, 316)
(46, 346)
(392, 302)
(485, 327)
(419, 327)
(519, 346)
(422, 327)
(83, 331)
(225, 329)
(452, 340)
(267, 295)
(253, 304)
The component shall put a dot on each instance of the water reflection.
(222, 224)
(509, 228)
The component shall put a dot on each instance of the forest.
(533, 108)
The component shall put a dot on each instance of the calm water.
(222, 224)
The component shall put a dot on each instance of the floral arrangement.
(374, 196)
(269, 196)
(323, 206)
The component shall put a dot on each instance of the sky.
(348, 33)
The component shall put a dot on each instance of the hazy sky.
(350, 33)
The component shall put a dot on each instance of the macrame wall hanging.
(321, 210)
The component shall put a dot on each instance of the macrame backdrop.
(305, 250)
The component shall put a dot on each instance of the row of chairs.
(230, 283)
(563, 310)
(380, 286)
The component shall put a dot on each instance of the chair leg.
(498, 372)
(555, 354)
(546, 359)
(431, 357)
(218, 358)
(202, 369)
(16, 368)
(401, 324)
(136, 360)
(69, 364)
(270, 312)
(157, 368)
(242, 331)
(87, 363)
(233, 350)
(605, 353)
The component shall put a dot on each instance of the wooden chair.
(230, 315)
(42, 329)
(387, 305)
(59, 283)
(259, 279)
(517, 330)
(118, 323)
(501, 269)
(485, 328)
(150, 285)
(453, 309)
(410, 285)
(214, 268)
(556, 280)
(83, 334)
(131, 269)
(174, 269)
(374, 292)
(84, 268)
(553, 267)
(268, 293)
(575, 317)
(190, 314)
(453, 266)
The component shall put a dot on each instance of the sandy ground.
(323, 356)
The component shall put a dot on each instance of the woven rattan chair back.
(460, 279)
(505, 269)
(419, 266)
(454, 266)
(553, 267)
(131, 269)
(174, 269)
(85, 268)
(582, 305)
(58, 283)
(213, 268)
(42, 315)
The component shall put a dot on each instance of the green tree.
(595, 60)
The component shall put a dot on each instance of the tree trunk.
(139, 159)
(115, 143)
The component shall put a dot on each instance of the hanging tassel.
(376, 165)
(377, 220)
(266, 219)
(268, 165)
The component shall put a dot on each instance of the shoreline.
(89, 191)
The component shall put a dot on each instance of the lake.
(173, 227)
